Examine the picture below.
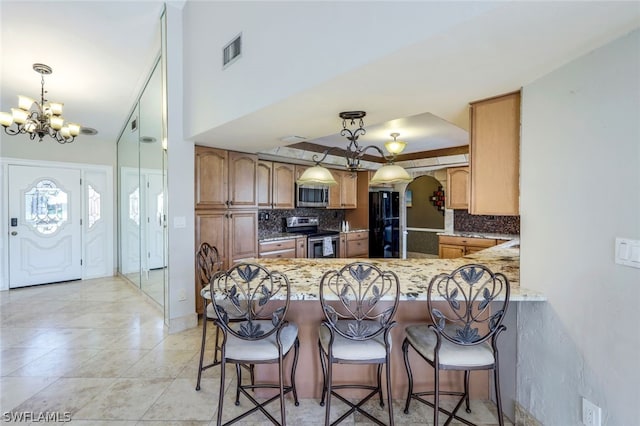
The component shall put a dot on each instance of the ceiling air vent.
(231, 52)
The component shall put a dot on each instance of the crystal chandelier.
(388, 173)
(39, 119)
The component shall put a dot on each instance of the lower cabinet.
(451, 247)
(233, 232)
(354, 244)
(301, 247)
(278, 249)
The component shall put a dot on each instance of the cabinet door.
(283, 186)
(457, 188)
(495, 155)
(335, 200)
(210, 177)
(211, 227)
(450, 251)
(349, 190)
(243, 235)
(342, 251)
(301, 247)
(265, 179)
(242, 180)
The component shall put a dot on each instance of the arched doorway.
(424, 220)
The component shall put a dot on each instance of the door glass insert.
(134, 206)
(46, 207)
(94, 206)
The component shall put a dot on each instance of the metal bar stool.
(463, 333)
(356, 330)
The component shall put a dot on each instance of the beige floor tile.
(160, 363)
(54, 337)
(108, 363)
(65, 395)
(12, 359)
(180, 402)
(16, 336)
(57, 362)
(126, 399)
(15, 390)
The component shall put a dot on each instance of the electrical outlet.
(182, 295)
(591, 413)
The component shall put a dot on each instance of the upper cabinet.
(276, 185)
(457, 188)
(265, 184)
(344, 194)
(495, 155)
(283, 186)
(225, 179)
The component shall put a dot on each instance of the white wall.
(180, 155)
(85, 149)
(580, 188)
(291, 46)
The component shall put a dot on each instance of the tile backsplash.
(465, 222)
(328, 218)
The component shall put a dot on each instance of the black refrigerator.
(384, 224)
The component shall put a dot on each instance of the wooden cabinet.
(301, 247)
(286, 248)
(457, 188)
(225, 179)
(276, 185)
(226, 199)
(344, 194)
(278, 248)
(283, 186)
(265, 184)
(451, 246)
(233, 232)
(494, 151)
(356, 244)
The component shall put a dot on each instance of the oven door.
(316, 248)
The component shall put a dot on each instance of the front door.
(44, 225)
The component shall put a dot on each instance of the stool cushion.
(424, 340)
(261, 349)
(354, 350)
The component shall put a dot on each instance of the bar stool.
(259, 300)
(356, 330)
(462, 335)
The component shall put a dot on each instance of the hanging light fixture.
(352, 129)
(39, 119)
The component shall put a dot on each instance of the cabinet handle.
(230, 202)
(227, 202)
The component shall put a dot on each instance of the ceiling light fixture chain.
(39, 119)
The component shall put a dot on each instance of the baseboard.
(176, 325)
(525, 418)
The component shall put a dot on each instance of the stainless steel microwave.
(312, 196)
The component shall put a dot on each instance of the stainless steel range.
(320, 243)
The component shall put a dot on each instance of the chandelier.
(352, 129)
(39, 119)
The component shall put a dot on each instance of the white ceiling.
(101, 53)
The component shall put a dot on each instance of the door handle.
(14, 232)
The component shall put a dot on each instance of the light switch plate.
(627, 252)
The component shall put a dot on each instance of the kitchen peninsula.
(414, 274)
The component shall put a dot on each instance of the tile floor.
(98, 352)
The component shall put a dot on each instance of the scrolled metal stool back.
(358, 289)
(246, 295)
(476, 302)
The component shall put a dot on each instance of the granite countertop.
(414, 274)
(275, 236)
(480, 235)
